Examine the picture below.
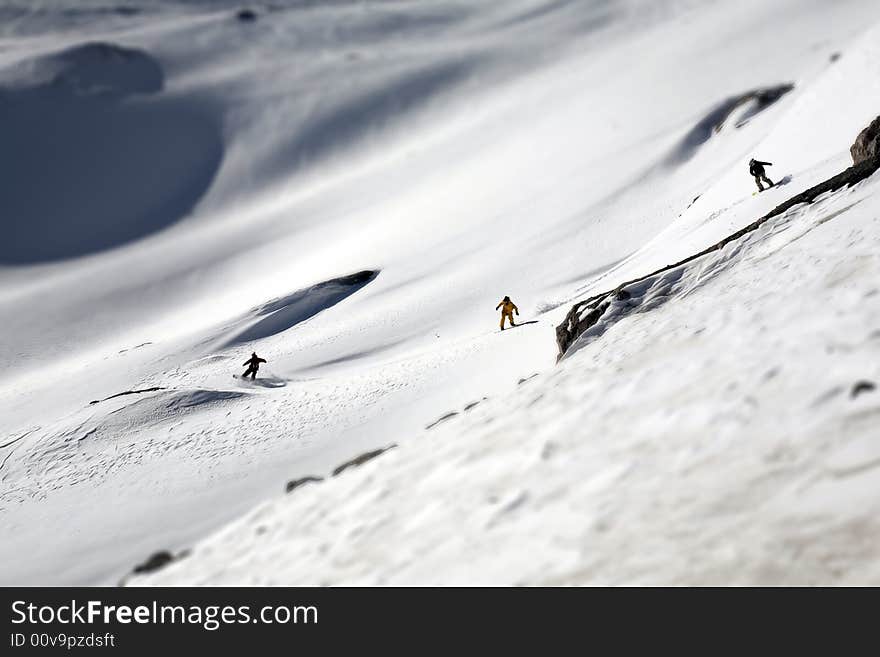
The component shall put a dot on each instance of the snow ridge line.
(573, 326)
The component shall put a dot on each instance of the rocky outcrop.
(585, 314)
(867, 144)
(862, 386)
(155, 562)
(127, 392)
(360, 460)
(442, 418)
(293, 484)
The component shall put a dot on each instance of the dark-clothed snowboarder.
(253, 364)
(756, 168)
(508, 307)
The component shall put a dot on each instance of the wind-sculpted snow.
(97, 444)
(359, 117)
(94, 156)
(738, 109)
(282, 314)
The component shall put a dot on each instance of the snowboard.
(507, 328)
(785, 180)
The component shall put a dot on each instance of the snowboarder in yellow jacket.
(508, 307)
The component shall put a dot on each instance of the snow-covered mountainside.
(348, 189)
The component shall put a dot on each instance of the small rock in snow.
(862, 386)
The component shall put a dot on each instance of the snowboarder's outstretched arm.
(766, 164)
(499, 305)
(247, 362)
(515, 308)
(261, 360)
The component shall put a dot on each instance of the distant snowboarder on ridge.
(508, 307)
(756, 168)
(253, 364)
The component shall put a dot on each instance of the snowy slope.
(200, 187)
(681, 447)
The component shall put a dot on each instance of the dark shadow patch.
(758, 100)
(246, 15)
(262, 381)
(533, 321)
(579, 17)
(784, 181)
(194, 398)
(282, 314)
(93, 157)
(355, 355)
(350, 123)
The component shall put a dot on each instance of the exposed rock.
(474, 404)
(585, 314)
(867, 144)
(363, 458)
(834, 57)
(246, 15)
(127, 392)
(157, 561)
(528, 378)
(575, 324)
(862, 386)
(293, 484)
(441, 419)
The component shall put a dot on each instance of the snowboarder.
(508, 307)
(253, 364)
(756, 168)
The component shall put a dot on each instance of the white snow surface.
(181, 188)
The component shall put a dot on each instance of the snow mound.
(736, 109)
(282, 314)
